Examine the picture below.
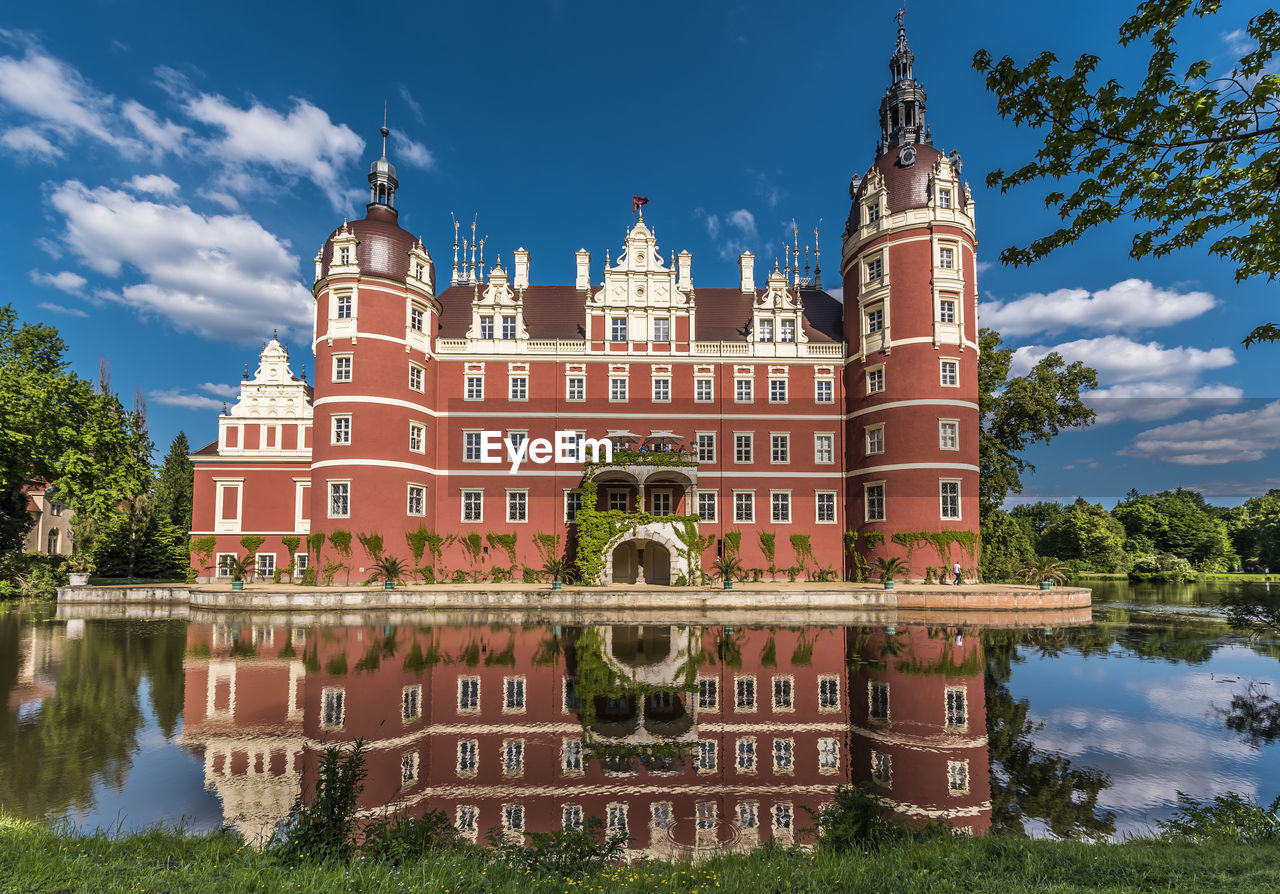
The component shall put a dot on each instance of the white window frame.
(750, 445)
(518, 388)
(952, 364)
(269, 564)
(618, 389)
(787, 332)
(571, 816)
(765, 335)
(834, 681)
(710, 390)
(417, 377)
(470, 393)
(873, 319)
(779, 447)
(513, 757)
(958, 777)
(749, 503)
(580, 391)
(486, 327)
(866, 501)
(943, 498)
(618, 327)
(222, 564)
(824, 391)
(955, 434)
(418, 431)
(745, 758)
(784, 755)
(337, 367)
(469, 689)
(951, 719)
(874, 686)
(947, 256)
(509, 328)
(707, 758)
(715, 505)
(409, 711)
(777, 391)
(873, 379)
(662, 384)
(780, 498)
(943, 304)
(830, 437)
(422, 494)
(341, 483)
(327, 694)
(468, 763)
(710, 454)
(709, 694)
(572, 504)
(518, 684)
(788, 683)
(663, 338)
(337, 430)
(873, 436)
(743, 390)
(478, 494)
(745, 683)
(520, 495)
(817, 507)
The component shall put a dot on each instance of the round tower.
(910, 320)
(375, 318)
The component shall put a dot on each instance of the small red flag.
(637, 201)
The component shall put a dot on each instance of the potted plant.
(1047, 571)
(390, 569)
(240, 568)
(727, 568)
(889, 568)
(78, 568)
(557, 568)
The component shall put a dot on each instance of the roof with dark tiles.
(383, 245)
(907, 185)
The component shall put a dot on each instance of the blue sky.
(171, 169)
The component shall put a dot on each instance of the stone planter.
(1046, 585)
(728, 585)
(78, 578)
(555, 585)
(888, 585)
(237, 585)
(388, 585)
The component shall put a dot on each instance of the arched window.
(53, 542)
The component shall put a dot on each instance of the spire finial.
(386, 132)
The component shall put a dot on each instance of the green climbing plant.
(804, 551)
(340, 539)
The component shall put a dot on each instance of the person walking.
(956, 568)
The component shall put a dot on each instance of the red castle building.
(766, 406)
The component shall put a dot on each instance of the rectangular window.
(410, 702)
(472, 505)
(946, 311)
(339, 499)
(616, 819)
(415, 377)
(569, 694)
(780, 448)
(748, 814)
(301, 561)
(513, 689)
(417, 437)
(873, 213)
(344, 306)
(875, 320)
(333, 707)
(780, 506)
(824, 391)
(706, 443)
(828, 754)
(266, 565)
(944, 198)
(467, 819)
(957, 715)
(486, 327)
(950, 373)
(471, 446)
(660, 815)
(571, 816)
(573, 755)
(417, 319)
(662, 330)
(517, 505)
(882, 768)
(706, 754)
(661, 503)
(468, 693)
(708, 693)
(475, 388)
(875, 269)
(744, 690)
(947, 258)
(878, 701)
(618, 329)
(417, 499)
(875, 439)
(788, 335)
(576, 388)
(747, 755)
(572, 505)
(707, 505)
(617, 389)
(618, 501)
(342, 368)
(513, 757)
(948, 435)
(766, 331)
(224, 564)
(875, 502)
(702, 390)
(513, 817)
(341, 430)
(744, 507)
(777, 391)
(519, 388)
(949, 495)
(508, 328)
(742, 390)
(662, 389)
(783, 754)
(957, 777)
(824, 450)
(828, 693)
(875, 380)
(782, 694)
(826, 508)
(742, 448)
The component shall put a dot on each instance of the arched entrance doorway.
(631, 555)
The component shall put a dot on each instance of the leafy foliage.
(1226, 819)
(1190, 155)
(564, 853)
(175, 484)
(860, 818)
(325, 829)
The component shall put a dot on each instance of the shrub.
(1227, 819)
(860, 818)
(564, 853)
(325, 829)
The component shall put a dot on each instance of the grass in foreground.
(35, 860)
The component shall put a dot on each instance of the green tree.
(1190, 154)
(1088, 534)
(1020, 411)
(175, 484)
(1006, 546)
(1176, 522)
(1035, 518)
(1254, 529)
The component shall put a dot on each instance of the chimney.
(684, 276)
(520, 274)
(584, 270)
(747, 265)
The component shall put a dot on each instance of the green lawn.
(34, 860)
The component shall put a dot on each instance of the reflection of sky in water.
(1152, 725)
(165, 785)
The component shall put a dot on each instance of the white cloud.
(744, 220)
(62, 309)
(66, 281)
(28, 141)
(1239, 42)
(1220, 439)
(225, 199)
(222, 276)
(176, 397)
(410, 152)
(303, 140)
(1130, 304)
(156, 184)
(53, 92)
(161, 136)
(220, 390)
(768, 191)
(413, 104)
(1234, 487)
(1149, 401)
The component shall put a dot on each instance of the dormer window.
(766, 331)
(509, 328)
(873, 213)
(344, 255)
(419, 272)
(486, 327)
(944, 198)
(788, 332)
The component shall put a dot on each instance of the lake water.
(688, 737)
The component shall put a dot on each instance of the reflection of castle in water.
(688, 739)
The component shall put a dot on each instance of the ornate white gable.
(498, 301)
(650, 294)
(777, 318)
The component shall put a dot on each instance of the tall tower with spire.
(382, 174)
(910, 322)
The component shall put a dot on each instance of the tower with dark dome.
(910, 322)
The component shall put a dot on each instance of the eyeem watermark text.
(567, 447)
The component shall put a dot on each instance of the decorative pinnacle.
(386, 132)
